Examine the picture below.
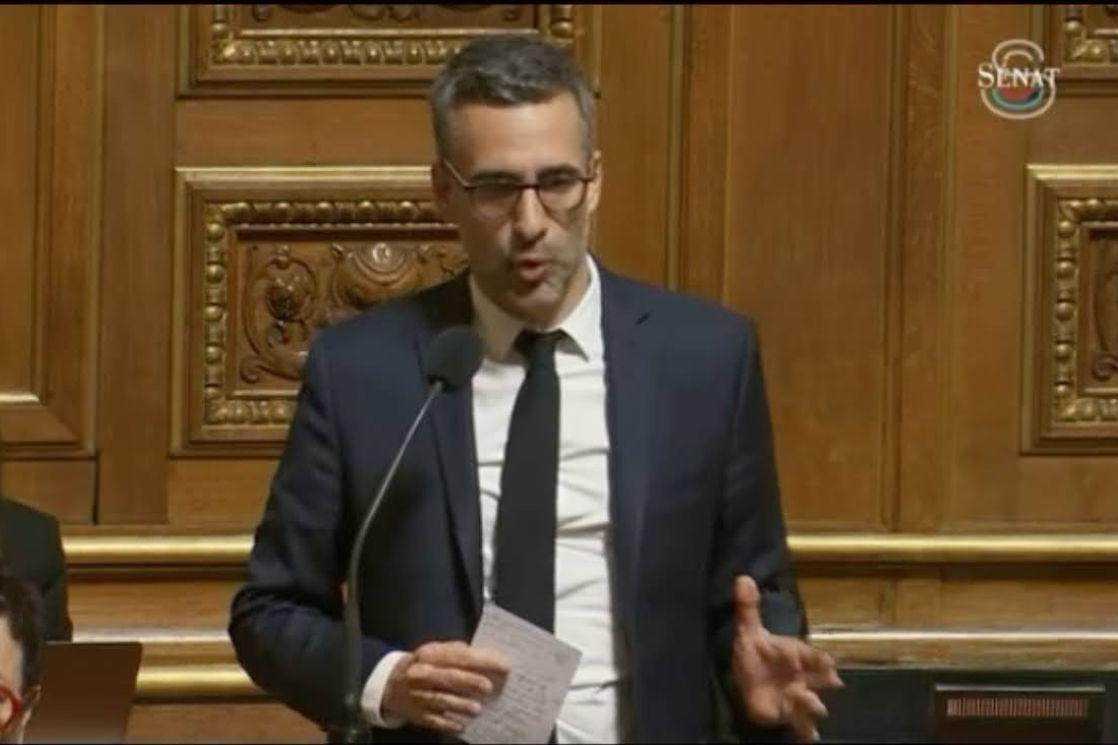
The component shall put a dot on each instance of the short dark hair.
(21, 605)
(507, 70)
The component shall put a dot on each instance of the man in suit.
(31, 546)
(608, 475)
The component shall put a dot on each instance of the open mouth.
(530, 270)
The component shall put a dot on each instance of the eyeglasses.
(559, 193)
(10, 707)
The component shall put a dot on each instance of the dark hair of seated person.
(21, 606)
(31, 548)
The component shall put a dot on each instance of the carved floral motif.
(297, 275)
(1070, 404)
(1086, 42)
(372, 36)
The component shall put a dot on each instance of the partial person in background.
(21, 646)
(31, 547)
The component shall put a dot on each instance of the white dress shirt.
(584, 605)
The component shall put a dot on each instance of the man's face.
(530, 261)
(11, 677)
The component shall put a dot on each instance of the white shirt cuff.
(372, 696)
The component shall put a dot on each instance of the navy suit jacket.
(693, 502)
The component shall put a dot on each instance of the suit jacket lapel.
(629, 403)
(452, 420)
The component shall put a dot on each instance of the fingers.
(765, 706)
(784, 655)
(806, 701)
(462, 655)
(789, 655)
(804, 728)
(441, 723)
(804, 708)
(448, 703)
(821, 672)
(422, 675)
(747, 604)
(443, 685)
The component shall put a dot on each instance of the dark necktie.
(525, 540)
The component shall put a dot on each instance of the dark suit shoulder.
(694, 317)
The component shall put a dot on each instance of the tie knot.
(538, 348)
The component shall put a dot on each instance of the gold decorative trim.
(21, 398)
(1083, 45)
(246, 306)
(138, 550)
(194, 681)
(988, 648)
(946, 647)
(378, 49)
(146, 550)
(1058, 412)
(953, 549)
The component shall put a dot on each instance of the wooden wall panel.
(218, 492)
(932, 420)
(922, 390)
(984, 305)
(49, 262)
(136, 288)
(634, 232)
(289, 132)
(20, 63)
(222, 722)
(49, 195)
(65, 487)
(807, 243)
(704, 142)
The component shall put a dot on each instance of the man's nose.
(529, 217)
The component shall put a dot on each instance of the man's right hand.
(442, 685)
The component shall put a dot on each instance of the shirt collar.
(582, 325)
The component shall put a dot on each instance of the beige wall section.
(829, 171)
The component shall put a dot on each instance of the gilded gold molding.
(139, 550)
(143, 550)
(967, 646)
(988, 648)
(194, 681)
(1085, 43)
(952, 549)
(1063, 407)
(364, 49)
(266, 256)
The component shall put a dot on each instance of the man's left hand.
(777, 675)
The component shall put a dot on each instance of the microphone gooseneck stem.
(356, 727)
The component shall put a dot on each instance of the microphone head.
(453, 356)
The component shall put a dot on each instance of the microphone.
(450, 361)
